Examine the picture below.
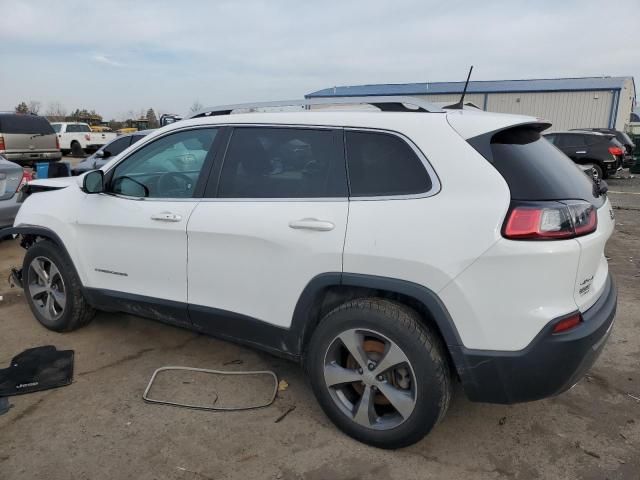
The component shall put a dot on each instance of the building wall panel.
(564, 109)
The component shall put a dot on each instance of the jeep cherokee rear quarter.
(388, 250)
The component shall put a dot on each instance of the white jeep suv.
(392, 252)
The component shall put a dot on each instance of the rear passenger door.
(274, 218)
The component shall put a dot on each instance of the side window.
(71, 128)
(551, 139)
(269, 162)
(83, 128)
(117, 146)
(381, 164)
(168, 167)
(563, 140)
(573, 140)
(135, 138)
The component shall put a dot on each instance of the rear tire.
(53, 289)
(402, 372)
(76, 150)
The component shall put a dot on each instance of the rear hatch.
(10, 178)
(570, 205)
(27, 133)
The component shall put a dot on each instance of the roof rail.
(384, 103)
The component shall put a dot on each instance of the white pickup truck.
(76, 137)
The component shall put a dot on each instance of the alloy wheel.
(370, 379)
(46, 288)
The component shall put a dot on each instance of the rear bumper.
(549, 365)
(628, 161)
(28, 157)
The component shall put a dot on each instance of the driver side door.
(133, 238)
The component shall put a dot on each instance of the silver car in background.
(26, 139)
(12, 176)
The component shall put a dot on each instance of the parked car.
(106, 153)
(623, 138)
(77, 137)
(12, 177)
(600, 149)
(392, 252)
(26, 138)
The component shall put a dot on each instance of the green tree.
(22, 108)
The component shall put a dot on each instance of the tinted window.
(135, 138)
(78, 128)
(574, 140)
(535, 170)
(117, 146)
(283, 163)
(381, 164)
(624, 138)
(57, 127)
(25, 124)
(165, 168)
(550, 138)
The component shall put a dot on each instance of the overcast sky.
(115, 56)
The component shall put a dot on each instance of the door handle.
(166, 217)
(312, 224)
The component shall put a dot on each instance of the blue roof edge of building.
(478, 86)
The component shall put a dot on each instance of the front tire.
(379, 373)
(53, 289)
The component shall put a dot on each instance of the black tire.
(64, 152)
(76, 312)
(420, 345)
(602, 174)
(76, 150)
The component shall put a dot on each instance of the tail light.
(27, 176)
(616, 151)
(549, 220)
(57, 143)
(2, 146)
(567, 323)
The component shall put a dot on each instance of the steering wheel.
(174, 184)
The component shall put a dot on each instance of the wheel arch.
(31, 233)
(328, 290)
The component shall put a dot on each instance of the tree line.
(56, 112)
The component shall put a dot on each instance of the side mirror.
(93, 182)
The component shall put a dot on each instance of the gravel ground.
(99, 427)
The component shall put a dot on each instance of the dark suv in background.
(601, 150)
(622, 137)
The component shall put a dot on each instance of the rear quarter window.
(383, 164)
(533, 168)
(27, 124)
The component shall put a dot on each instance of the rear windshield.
(624, 138)
(24, 124)
(536, 170)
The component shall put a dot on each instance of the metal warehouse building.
(566, 102)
